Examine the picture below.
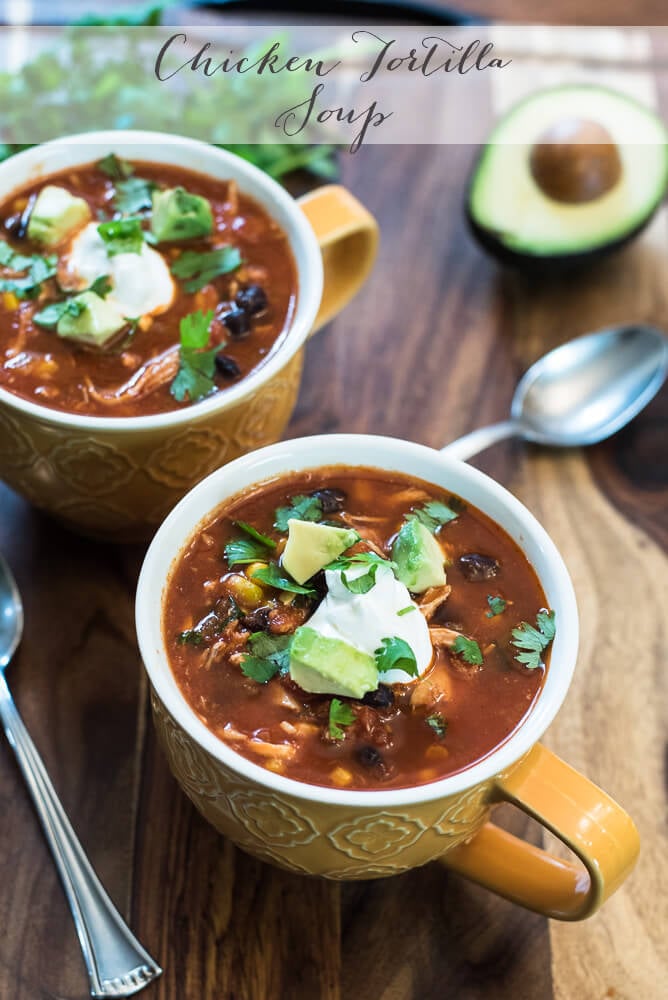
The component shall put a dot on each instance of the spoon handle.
(117, 964)
(470, 444)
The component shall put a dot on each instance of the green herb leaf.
(257, 535)
(438, 724)
(201, 268)
(469, 650)
(534, 641)
(114, 167)
(195, 377)
(38, 269)
(190, 638)
(497, 606)
(340, 715)
(395, 654)
(434, 514)
(361, 584)
(49, 316)
(302, 508)
(275, 577)
(122, 236)
(269, 655)
(101, 286)
(405, 611)
(133, 195)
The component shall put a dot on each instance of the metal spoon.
(581, 392)
(117, 964)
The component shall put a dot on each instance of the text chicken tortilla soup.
(355, 628)
(131, 288)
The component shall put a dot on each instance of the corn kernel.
(9, 300)
(275, 765)
(247, 595)
(436, 752)
(340, 776)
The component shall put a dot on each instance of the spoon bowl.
(581, 392)
(11, 615)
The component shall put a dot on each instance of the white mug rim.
(272, 195)
(313, 452)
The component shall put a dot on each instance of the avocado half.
(569, 174)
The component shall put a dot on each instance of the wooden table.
(432, 348)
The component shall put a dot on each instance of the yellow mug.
(341, 834)
(117, 477)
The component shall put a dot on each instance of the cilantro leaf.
(201, 268)
(114, 167)
(301, 508)
(248, 550)
(101, 286)
(469, 650)
(49, 316)
(434, 514)
(363, 583)
(133, 195)
(275, 577)
(438, 724)
(269, 655)
(395, 654)
(191, 637)
(534, 641)
(122, 236)
(497, 606)
(257, 535)
(196, 366)
(38, 269)
(340, 715)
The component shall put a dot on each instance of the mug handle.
(348, 238)
(576, 811)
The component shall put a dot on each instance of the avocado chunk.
(569, 173)
(310, 547)
(56, 215)
(91, 320)
(418, 557)
(179, 215)
(323, 665)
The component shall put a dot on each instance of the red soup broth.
(133, 374)
(402, 735)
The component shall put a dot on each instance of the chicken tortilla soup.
(129, 289)
(355, 628)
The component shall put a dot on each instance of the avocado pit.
(575, 161)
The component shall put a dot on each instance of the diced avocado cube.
(91, 320)
(418, 557)
(312, 546)
(323, 665)
(179, 215)
(56, 215)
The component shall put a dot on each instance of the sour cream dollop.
(364, 620)
(141, 282)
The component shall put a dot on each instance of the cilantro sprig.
(48, 316)
(497, 606)
(197, 366)
(114, 167)
(201, 268)
(395, 654)
(122, 236)
(269, 655)
(469, 650)
(533, 641)
(362, 583)
(37, 270)
(435, 514)
(340, 716)
(300, 508)
(279, 579)
(250, 549)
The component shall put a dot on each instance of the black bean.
(382, 697)
(253, 299)
(237, 322)
(331, 501)
(477, 568)
(227, 366)
(17, 225)
(257, 621)
(369, 756)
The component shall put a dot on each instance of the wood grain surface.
(431, 349)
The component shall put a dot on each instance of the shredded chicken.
(151, 376)
(441, 636)
(19, 342)
(432, 599)
(264, 749)
(232, 640)
(285, 620)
